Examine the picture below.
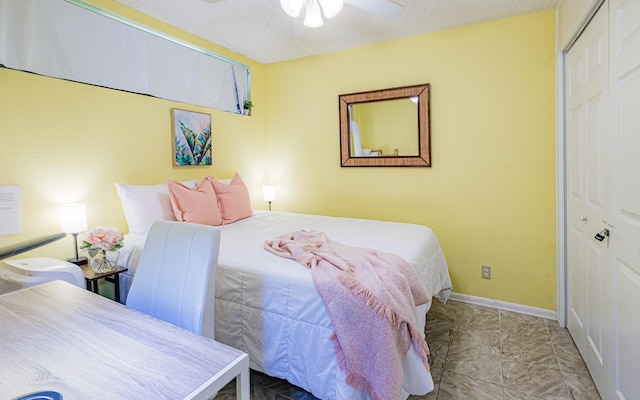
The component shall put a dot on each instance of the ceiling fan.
(387, 9)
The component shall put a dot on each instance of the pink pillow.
(197, 205)
(233, 199)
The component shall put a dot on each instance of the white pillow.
(145, 204)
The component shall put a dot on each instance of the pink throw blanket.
(371, 299)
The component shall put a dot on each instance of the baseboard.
(504, 305)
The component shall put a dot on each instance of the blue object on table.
(47, 395)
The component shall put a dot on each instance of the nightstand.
(91, 277)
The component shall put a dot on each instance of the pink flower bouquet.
(101, 239)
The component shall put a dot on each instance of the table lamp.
(73, 220)
(269, 194)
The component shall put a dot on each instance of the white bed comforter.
(268, 307)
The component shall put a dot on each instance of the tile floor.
(480, 353)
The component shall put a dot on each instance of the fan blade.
(383, 8)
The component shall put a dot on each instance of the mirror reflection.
(384, 128)
(388, 127)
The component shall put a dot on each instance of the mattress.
(268, 307)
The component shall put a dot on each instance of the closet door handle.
(600, 236)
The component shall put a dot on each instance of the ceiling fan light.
(292, 7)
(313, 18)
(331, 8)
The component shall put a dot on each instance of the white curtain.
(62, 40)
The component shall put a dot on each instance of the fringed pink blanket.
(371, 298)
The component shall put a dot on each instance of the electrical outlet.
(486, 272)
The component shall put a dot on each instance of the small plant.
(248, 104)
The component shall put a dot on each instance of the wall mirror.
(385, 128)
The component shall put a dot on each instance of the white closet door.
(603, 193)
(624, 135)
(587, 179)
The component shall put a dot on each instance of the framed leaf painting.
(191, 138)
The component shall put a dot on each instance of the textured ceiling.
(260, 29)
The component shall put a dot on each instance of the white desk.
(59, 337)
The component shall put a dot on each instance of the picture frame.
(191, 138)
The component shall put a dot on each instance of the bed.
(268, 307)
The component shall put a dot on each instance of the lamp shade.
(313, 18)
(73, 218)
(269, 193)
(292, 7)
(331, 8)
(313, 14)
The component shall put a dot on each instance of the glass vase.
(104, 261)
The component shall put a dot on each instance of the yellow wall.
(490, 195)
